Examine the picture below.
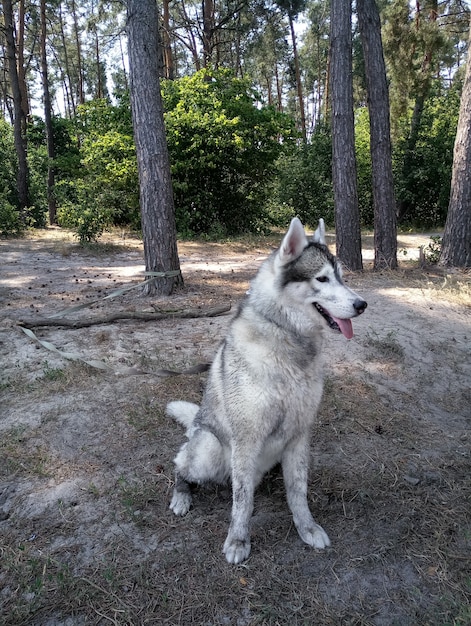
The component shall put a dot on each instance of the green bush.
(104, 190)
(223, 149)
(10, 221)
(8, 192)
(304, 181)
(423, 187)
(87, 223)
(363, 158)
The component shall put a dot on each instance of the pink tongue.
(345, 326)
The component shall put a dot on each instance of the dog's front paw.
(180, 503)
(315, 536)
(236, 550)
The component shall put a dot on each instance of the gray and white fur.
(265, 385)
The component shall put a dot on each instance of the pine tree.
(456, 245)
(344, 171)
(385, 235)
(156, 196)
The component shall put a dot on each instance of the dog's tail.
(183, 412)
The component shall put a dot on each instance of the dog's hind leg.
(202, 459)
(295, 470)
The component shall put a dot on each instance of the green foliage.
(10, 222)
(7, 164)
(88, 222)
(425, 186)
(104, 189)
(304, 181)
(223, 150)
(433, 249)
(363, 158)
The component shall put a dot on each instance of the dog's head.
(309, 274)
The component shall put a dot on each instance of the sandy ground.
(86, 455)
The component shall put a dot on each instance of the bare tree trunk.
(21, 60)
(123, 63)
(99, 88)
(385, 229)
(208, 31)
(299, 86)
(81, 93)
(456, 245)
(19, 122)
(167, 45)
(156, 196)
(70, 91)
(51, 200)
(344, 169)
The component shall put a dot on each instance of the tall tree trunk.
(299, 86)
(21, 60)
(344, 169)
(99, 78)
(80, 87)
(385, 230)
(19, 122)
(51, 200)
(71, 96)
(156, 196)
(123, 62)
(208, 31)
(166, 42)
(456, 245)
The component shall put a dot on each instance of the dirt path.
(86, 468)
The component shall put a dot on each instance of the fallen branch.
(126, 315)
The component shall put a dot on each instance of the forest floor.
(86, 471)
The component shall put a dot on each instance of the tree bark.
(166, 41)
(208, 32)
(344, 170)
(19, 122)
(51, 200)
(385, 229)
(80, 87)
(299, 85)
(456, 244)
(21, 60)
(156, 195)
(68, 85)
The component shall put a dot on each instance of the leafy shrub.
(104, 190)
(423, 187)
(10, 221)
(88, 223)
(8, 165)
(304, 181)
(364, 174)
(223, 150)
(433, 249)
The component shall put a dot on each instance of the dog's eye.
(323, 279)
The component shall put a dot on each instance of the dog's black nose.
(359, 306)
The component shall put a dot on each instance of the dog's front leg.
(237, 544)
(295, 464)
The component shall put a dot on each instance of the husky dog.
(265, 386)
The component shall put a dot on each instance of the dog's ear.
(319, 235)
(293, 242)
